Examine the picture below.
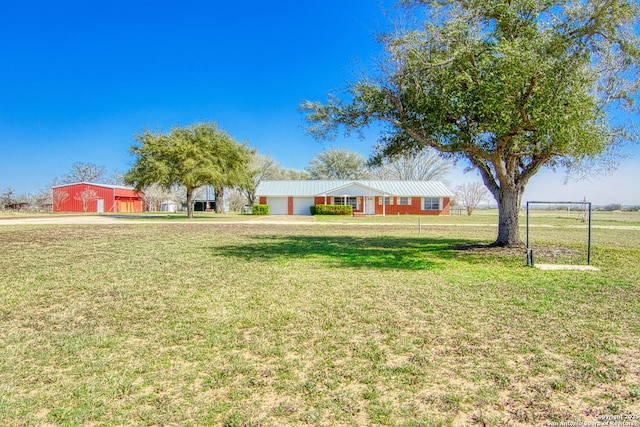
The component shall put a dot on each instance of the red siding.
(321, 200)
(414, 208)
(446, 206)
(68, 199)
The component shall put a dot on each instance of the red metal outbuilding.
(90, 197)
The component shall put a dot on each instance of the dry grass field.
(342, 322)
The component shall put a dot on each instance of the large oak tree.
(194, 156)
(509, 86)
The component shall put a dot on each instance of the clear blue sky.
(80, 78)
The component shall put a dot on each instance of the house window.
(430, 204)
(387, 200)
(404, 200)
(353, 201)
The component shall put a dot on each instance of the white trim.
(422, 203)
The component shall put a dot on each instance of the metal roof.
(119, 187)
(308, 188)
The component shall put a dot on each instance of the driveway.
(60, 220)
(123, 219)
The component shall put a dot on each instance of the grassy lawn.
(490, 217)
(319, 324)
(182, 217)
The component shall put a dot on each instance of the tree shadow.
(381, 252)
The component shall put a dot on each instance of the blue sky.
(81, 78)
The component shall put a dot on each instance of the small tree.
(154, 194)
(237, 199)
(471, 194)
(116, 178)
(261, 167)
(59, 197)
(7, 198)
(85, 197)
(41, 200)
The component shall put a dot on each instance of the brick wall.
(393, 208)
(410, 206)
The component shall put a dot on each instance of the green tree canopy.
(198, 155)
(509, 86)
(338, 163)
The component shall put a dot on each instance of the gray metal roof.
(308, 188)
(120, 187)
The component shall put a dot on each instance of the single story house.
(368, 197)
(91, 197)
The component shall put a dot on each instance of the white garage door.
(278, 205)
(301, 205)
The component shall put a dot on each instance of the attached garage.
(302, 205)
(290, 205)
(278, 205)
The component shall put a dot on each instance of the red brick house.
(90, 197)
(369, 197)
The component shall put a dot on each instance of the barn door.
(100, 206)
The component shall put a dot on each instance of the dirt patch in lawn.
(542, 251)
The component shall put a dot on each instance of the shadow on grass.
(353, 252)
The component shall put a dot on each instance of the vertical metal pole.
(529, 254)
(589, 238)
(527, 225)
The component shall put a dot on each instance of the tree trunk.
(219, 194)
(189, 202)
(508, 199)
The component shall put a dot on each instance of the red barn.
(89, 197)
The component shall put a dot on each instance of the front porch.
(364, 200)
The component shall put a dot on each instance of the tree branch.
(487, 176)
